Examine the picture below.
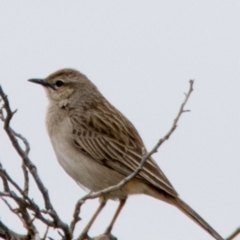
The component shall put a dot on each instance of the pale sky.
(141, 55)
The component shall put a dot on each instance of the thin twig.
(4, 180)
(21, 212)
(7, 176)
(234, 234)
(7, 233)
(92, 195)
(28, 163)
(26, 180)
(76, 217)
(46, 233)
(14, 210)
(30, 204)
(24, 140)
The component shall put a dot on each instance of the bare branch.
(29, 203)
(8, 234)
(15, 211)
(92, 195)
(26, 180)
(46, 233)
(24, 140)
(9, 179)
(27, 163)
(4, 180)
(76, 217)
(21, 212)
(234, 234)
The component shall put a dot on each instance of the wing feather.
(109, 138)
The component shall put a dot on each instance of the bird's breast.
(85, 170)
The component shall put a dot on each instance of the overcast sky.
(141, 55)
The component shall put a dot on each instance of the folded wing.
(109, 138)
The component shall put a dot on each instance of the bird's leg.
(120, 206)
(86, 229)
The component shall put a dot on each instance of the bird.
(98, 146)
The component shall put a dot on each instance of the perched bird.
(98, 146)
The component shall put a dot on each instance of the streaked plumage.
(105, 135)
(98, 146)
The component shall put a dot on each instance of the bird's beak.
(42, 82)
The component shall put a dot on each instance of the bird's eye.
(59, 83)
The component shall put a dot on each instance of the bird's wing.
(109, 138)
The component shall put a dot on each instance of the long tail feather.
(181, 205)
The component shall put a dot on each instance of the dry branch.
(6, 115)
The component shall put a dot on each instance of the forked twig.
(148, 155)
(28, 166)
(92, 195)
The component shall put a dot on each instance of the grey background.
(141, 55)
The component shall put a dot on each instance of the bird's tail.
(181, 205)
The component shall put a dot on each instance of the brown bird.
(98, 146)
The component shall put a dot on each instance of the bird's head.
(65, 83)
